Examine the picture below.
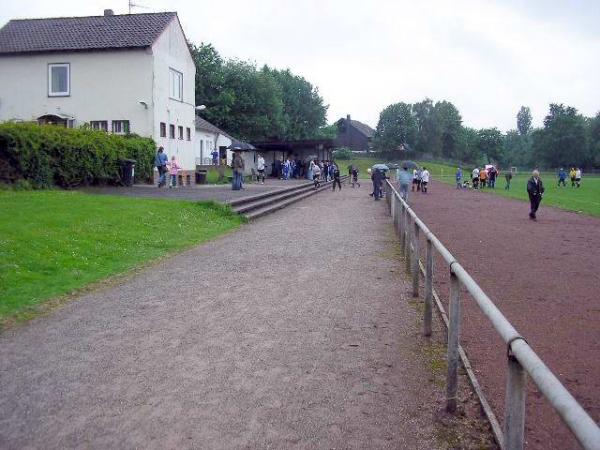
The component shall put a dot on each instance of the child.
(355, 177)
(173, 169)
(336, 176)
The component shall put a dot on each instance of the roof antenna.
(135, 5)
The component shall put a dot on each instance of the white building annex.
(119, 73)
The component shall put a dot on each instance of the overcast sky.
(488, 58)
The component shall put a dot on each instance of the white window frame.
(121, 126)
(97, 125)
(175, 82)
(66, 93)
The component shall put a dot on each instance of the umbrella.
(409, 164)
(381, 167)
(239, 145)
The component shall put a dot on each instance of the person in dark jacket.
(535, 189)
(377, 178)
(336, 176)
(160, 161)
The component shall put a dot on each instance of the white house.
(119, 73)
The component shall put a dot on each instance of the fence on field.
(521, 359)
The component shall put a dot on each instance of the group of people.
(574, 175)
(481, 178)
(164, 166)
(326, 171)
(420, 179)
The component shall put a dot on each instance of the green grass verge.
(362, 163)
(55, 242)
(584, 200)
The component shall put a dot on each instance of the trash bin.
(127, 171)
(201, 177)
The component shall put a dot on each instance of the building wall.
(104, 86)
(171, 51)
(204, 144)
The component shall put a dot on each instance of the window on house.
(101, 125)
(59, 80)
(176, 85)
(163, 129)
(120, 126)
(180, 132)
(188, 133)
(172, 131)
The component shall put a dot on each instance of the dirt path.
(544, 276)
(271, 337)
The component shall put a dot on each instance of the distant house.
(353, 134)
(118, 73)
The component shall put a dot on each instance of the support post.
(415, 261)
(402, 227)
(393, 210)
(453, 342)
(514, 411)
(428, 313)
(407, 240)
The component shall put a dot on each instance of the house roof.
(203, 124)
(83, 33)
(363, 128)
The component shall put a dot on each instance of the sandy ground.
(544, 276)
(292, 332)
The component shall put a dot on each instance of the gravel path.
(543, 276)
(288, 333)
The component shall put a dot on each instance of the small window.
(59, 80)
(172, 131)
(120, 126)
(163, 129)
(101, 125)
(180, 132)
(188, 133)
(176, 85)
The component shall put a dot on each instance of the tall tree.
(491, 144)
(428, 132)
(563, 140)
(449, 123)
(524, 120)
(396, 127)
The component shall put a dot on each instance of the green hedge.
(46, 156)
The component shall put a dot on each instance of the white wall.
(204, 145)
(104, 86)
(170, 51)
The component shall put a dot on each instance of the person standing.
(492, 173)
(238, 171)
(174, 168)
(260, 166)
(475, 176)
(459, 177)
(414, 180)
(215, 157)
(562, 177)
(336, 176)
(377, 178)
(508, 177)
(419, 178)
(424, 180)
(535, 190)
(404, 178)
(572, 174)
(160, 161)
(578, 177)
(316, 173)
(482, 178)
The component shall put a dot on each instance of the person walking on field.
(475, 177)
(562, 177)
(404, 178)
(316, 171)
(535, 190)
(578, 177)
(482, 178)
(424, 180)
(459, 176)
(415, 181)
(508, 176)
(160, 161)
(572, 174)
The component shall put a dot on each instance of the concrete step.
(279, 203)
(253, 198)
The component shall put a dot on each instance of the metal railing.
(521, 359)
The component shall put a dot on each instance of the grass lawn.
(362, 163)
(585, 200)
(54, 242)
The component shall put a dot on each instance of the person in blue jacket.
(459, 177)
(160, 161)
(562, 177)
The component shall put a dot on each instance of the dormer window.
(59, 80)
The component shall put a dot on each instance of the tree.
(563, 140)
(468, 147)
(449, 124)
(490, 144)
(524, 120)
(396, 127)
(428, 139)
(594, 140)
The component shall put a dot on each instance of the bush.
(343, 153)
(46, 155)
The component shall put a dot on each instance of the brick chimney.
(109, 12)
(348, 118)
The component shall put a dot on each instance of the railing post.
(407, 233)
(402, 226)
(415, 261)
(453, 340)
(393, 209)
(427, 315)
(514, 410)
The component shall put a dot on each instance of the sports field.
(584, 200)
